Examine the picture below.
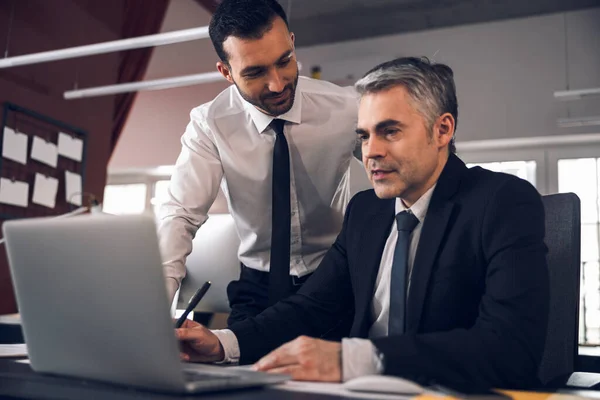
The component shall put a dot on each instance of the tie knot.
(277, 125)
(406, 221)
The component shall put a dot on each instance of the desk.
(19, 381)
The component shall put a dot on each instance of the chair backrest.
(213, 258)
(563, 238)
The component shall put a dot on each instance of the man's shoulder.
(485, 186)
(226, 103)
(316, 87)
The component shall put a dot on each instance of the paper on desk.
(44, 151)
(336, 389)
(73, 187)
(13, 319)
(15, 193)
(44, 190)
(70, 147)
(14, 146)
(13, 350)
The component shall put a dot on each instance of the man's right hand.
(198, 344)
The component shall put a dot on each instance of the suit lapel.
(436, 224)
(372, 241)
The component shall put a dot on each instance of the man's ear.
(444, 129)
(225, 70)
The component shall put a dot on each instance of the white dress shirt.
(229, 143)
(359, 356)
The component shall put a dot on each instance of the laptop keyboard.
(193, 376)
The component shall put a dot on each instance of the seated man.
(444, 266)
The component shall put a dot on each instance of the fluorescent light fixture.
(158, 84)
(158, 39)
(575, 122)
(568, 95)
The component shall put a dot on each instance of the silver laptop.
(93, 304)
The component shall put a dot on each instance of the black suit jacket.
(478, 304)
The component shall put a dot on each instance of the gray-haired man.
(443, 265)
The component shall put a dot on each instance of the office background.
(508, 57)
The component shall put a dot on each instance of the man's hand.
(198, 344)
(305, 359)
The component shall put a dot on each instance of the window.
(161, 190)
(124, 199)
(522, 169)
(581, 176)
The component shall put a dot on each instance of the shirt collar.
(419, 209)
(262, 120)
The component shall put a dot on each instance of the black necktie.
(279, 275)
(405, 222)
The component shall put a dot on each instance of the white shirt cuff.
(230, 345)
(360, 357)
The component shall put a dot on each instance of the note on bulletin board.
(14, 146)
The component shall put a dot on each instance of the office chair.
(563, 239)
(213, 258)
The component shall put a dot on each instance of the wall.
(40, 25)
(157, 120)
(506, 73)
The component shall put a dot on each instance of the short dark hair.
(246, 19)
(430, 85)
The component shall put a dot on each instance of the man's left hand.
(305, 359)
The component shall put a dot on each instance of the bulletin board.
(43, 130)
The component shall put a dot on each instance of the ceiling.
(326, 21)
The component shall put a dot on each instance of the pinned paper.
(14, 146)
(73, 187)
(70, 147)
(44, 190)
(15, 193)
(44, 151)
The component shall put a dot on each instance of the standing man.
(445, 266)
(280, 148)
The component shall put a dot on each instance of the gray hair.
(430, 85)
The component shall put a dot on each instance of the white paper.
(44, 190)
(14, 146)
(45, 152)
(70, 147)
(10, 319)
(335, 389)
(73, 188)
(15, 193)
(13, 350)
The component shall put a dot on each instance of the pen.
(193, 303)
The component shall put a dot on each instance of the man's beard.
(272, 109)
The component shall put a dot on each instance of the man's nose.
(276, 82)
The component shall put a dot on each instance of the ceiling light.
(567, 95)
(158, 84)
(158, 39)
(575, 122)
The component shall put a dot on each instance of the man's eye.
(252, 75)
(283, 63)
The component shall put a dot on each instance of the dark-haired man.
(280, 146)
(444, 266)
